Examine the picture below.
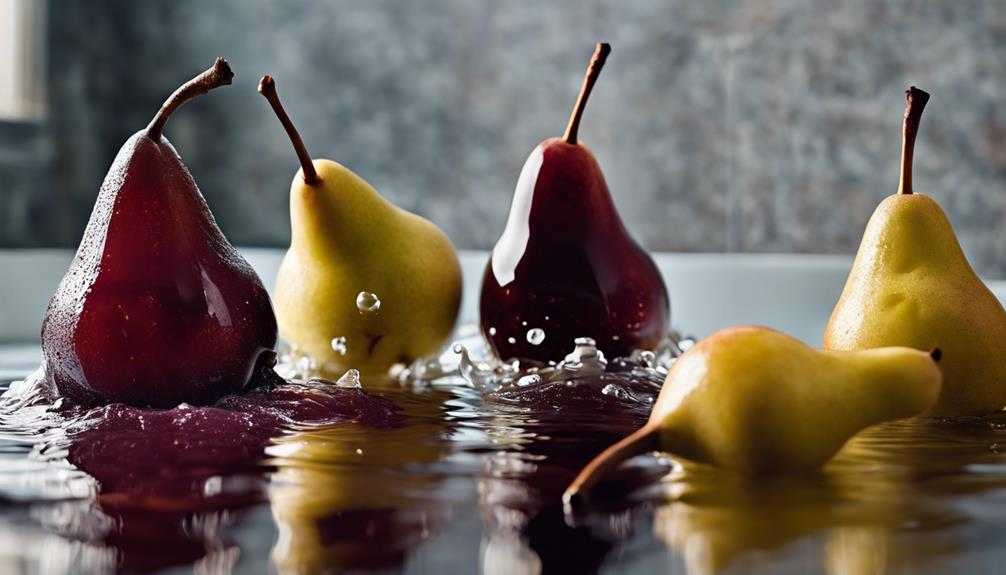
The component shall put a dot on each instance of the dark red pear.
(565, 266)
(158, 308)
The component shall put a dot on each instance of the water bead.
(368, 303)
(536, 336)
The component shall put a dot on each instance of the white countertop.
(790, 292)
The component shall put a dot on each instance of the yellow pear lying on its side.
(365, 283)
(756, 401)
(912, 285)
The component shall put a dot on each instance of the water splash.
(479, 374)
(368, 303)
(530, 379)
(614, 391)
(585, 358)
(293, 363)
(350, 379)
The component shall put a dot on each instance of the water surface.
(447, 477)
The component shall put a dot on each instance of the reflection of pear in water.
(717, 519)
(864, 513)
(912, 285)
(351, 497)
(857, 551)
(758, 401)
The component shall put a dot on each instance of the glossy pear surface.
(566, 265)
(157, 307)
(757, 400)
(347, 239)
(912, 285)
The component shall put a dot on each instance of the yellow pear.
(755, 400)
(365, 284)
(912, 285)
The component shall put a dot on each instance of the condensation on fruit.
(368, 303)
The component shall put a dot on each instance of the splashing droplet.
(511, 340)
(368, 303)
(529, 380)
(584, 359)
(614, 391)
(479, 375)
(350, 379)
(339, 345)
(535, 336)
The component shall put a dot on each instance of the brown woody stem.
(915, 103)
(218, 75)
(593, 71)
(643, 441)
(267, 87)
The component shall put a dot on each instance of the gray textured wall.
(721, 125)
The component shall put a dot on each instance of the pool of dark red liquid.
(445, 478)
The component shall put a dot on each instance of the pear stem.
(642, 441)
(217, 75)
(593, 71)
(267, 87)
(915, 103)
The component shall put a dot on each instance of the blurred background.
(722, 126)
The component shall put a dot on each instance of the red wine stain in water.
(184, 476)
(160, 470)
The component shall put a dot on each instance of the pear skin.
(758, 401)
(349, 242)
(157, 308)
(912, 285)
(347, 239)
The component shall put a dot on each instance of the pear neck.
(342, 214)
(915, 103)
(889, 386)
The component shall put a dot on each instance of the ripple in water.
(329, 442)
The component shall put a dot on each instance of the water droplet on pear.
(535, 336)
(368, 303)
